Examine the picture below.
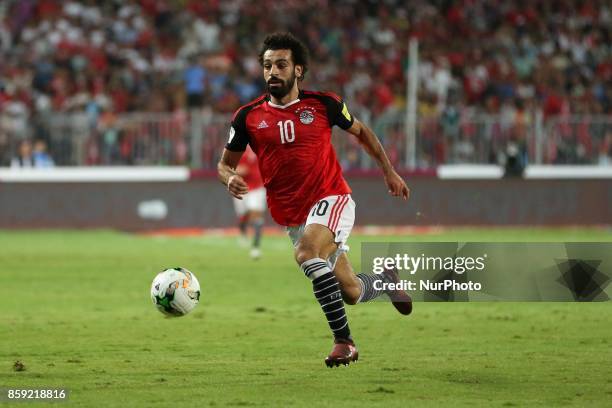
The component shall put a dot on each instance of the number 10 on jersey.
(287, 131)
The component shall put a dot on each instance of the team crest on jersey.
(306, 117)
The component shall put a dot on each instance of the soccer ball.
(175, 292)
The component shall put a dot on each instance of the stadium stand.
(136, 82)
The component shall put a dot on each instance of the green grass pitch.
(75, 310)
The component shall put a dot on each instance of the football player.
(289, 129)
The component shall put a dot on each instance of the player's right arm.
(228, 176)
(235, 147)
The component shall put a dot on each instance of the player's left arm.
(368, 139)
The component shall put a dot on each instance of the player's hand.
(242, 170)
(237, 186)
(396, 185)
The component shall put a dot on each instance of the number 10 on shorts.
(320, 208)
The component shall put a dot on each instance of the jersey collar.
(285, 105)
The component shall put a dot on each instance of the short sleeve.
(238, 134)
(338, 112)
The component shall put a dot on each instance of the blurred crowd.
(477, 57)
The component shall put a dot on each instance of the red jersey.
(250, 170)
(293, 146)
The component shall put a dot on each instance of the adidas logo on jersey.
(262, 125)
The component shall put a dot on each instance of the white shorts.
(254, 200)
(335, 212)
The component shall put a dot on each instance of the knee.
(351, 291)
(350, 297)
(305, 252)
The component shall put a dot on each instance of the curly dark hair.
(286, 41)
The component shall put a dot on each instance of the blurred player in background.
(250, 208)
(290, 132)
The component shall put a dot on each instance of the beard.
(282, 89)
